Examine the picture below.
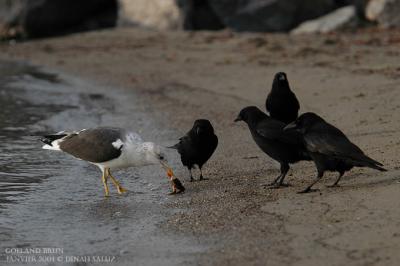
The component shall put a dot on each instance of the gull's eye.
(161, 157)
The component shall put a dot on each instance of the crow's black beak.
(290, 126)
(238, 119)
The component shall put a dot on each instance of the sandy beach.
(351, 79)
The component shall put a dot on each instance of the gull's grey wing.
(94, 145)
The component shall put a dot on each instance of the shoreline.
(48, 210)
(352, 80)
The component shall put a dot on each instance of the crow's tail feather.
(377, 167)
(368, 162)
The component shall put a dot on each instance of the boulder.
(374, 9)
(269, 15)
(384, 12)
(360, 5)
(345, 17)
(198, 15)
(52, 17)
(257, 15)
(9, 13)
(9, 9)
(42, 18)
(154, 14)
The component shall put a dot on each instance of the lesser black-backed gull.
(111, 148)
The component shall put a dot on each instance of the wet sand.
(351, 79)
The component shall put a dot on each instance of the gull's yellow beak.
(170, 174)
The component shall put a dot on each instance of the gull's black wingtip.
(48, 139)
(37, 137)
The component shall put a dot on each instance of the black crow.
(197, 146)
(329, 148)
(281, 102)
(285, 147)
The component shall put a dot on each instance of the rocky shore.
(23, 19)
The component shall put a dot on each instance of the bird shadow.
(387, 179)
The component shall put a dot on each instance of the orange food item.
(170, 173)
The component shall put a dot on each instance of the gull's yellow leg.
(120, 189)
(104, 179)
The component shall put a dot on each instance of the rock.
(374, 9)
(257, 15)
(269, 15)
(52, 17)
(42, 18)
(9, 12)
(155, 14)
(359, 4)
(341, 18)
(198, 15)
(385, 12)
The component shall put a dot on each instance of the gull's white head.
(153, 153)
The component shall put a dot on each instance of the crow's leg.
(284, 170)
(278, 182)
(308, 189)
(337, 180)
(201, 175)
(273, 183)
(191, 176)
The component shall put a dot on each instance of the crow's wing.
(328, 140)
(279, 100)
(182, 141)
(273, 130)
(186, 145)
(294, 102)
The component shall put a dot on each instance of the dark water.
(50, 200)
(18, 172)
